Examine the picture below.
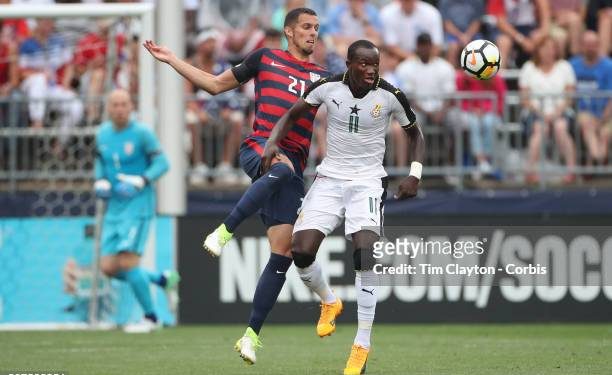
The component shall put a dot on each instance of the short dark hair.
(293, 15)
(423, 38)
(362, 43)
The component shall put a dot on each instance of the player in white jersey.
(351, 180)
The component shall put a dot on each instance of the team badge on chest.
(314, 77)
(376, 111)
(128, 148)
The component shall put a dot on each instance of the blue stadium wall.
(33, 253)
(225, 286)
(220, 291)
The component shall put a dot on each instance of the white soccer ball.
(480, 59)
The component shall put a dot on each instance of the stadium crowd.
(554, 48)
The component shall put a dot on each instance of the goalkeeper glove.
(102, 188)
(129, 185)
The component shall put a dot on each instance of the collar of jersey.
(130, 123)
(298, 61)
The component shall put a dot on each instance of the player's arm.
(280, 131)
(408, 186)
(607, 113)
(158, 164)
(544, 17)
(213, 84)
(320, 133)
(313, 97)
(472, 29)
(507, 28)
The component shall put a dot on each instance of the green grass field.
(295, 349)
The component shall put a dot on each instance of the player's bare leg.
(305, 246)
(268, 288)
(366, 284)
(400, 144)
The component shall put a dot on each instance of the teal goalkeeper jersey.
(133, 150)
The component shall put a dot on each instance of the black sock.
(268, 288)
(152, 317)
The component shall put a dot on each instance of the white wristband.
(137, 181)
(416, 169)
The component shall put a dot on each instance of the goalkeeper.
(128, 161)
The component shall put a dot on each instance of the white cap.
(204, 35)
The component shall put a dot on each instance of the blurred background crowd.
(549, 109)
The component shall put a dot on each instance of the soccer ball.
(480, 59)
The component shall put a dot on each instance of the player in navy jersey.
(281, 77)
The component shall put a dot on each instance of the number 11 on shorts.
(373, 205)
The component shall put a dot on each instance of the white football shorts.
(330, 200)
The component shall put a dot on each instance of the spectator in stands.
(424, 77)
(551, 78)
(240, 42)
(16, 30)
(204, 110)
(594, 73)
(273, 39)
(404, 20)
(90, 60)
(325, 55)
(47, 71)
(209, 16)
(567, 24)
(461, 25)
(12, 33)
(599, 19)
(482, 116)
(9, 77)
(352, 20)
(191, 13)
(523, 22)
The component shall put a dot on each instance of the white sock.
(312, 276)
(366, 283)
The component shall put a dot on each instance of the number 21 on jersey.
(294, 82)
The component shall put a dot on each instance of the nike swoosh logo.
(274, 63)
(368, 291)
(272, 176)
(279, 271)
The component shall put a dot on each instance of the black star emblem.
(354, 110)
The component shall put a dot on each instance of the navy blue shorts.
(282, 206)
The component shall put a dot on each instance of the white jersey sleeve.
(315, 94)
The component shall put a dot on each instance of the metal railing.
(54, 153)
